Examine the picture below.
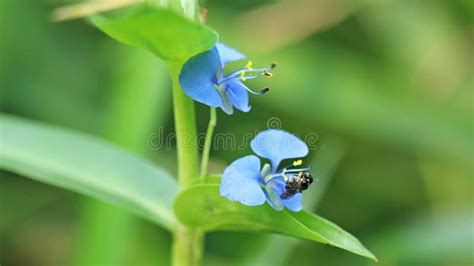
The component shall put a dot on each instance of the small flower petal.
(198, 77)
(273, 198)
(277, 145)
(237, 94)
(228, 54)
(226, 105)
(241, 181)
(293, 203)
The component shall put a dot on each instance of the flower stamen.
(268, 74)
(245, 73)
(249, 65)
(260, 92)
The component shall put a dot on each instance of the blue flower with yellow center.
(202, 78)
(245, 181)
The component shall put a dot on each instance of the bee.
(297, 184)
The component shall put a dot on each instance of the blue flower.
(203, 79)
(244, 181)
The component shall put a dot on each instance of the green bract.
(160, 31)
(202, 206)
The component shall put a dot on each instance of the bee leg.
(283, 173)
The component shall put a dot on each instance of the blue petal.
(272, 197)
(241, 181)
(198, 77)
(228, 54)
(226, 105)
(277, 145)
(293, 203)
(238, 95)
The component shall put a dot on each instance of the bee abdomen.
(286, 194)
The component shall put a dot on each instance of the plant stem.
(207, 143)
(188, 246)
(187, 242)
(185, 126)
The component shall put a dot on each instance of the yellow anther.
(249, 65)
(242, 76)
(298, 163)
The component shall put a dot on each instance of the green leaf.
(202, 206)
(160, 31)
(89, 166)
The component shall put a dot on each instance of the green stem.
(188, 246)
(207, 143)
(185, 126)
(187, 242)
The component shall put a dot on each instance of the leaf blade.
(89, 166)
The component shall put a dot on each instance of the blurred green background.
(387, 86)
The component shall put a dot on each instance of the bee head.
(308, 177)
(304, 185)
